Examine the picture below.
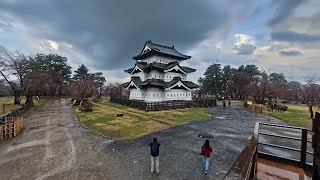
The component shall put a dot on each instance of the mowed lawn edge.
(9, 106)
(296, 115)
(135, 123)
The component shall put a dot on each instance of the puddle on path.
(105, 143)
(220, 117)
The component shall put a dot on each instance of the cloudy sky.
(277, 35)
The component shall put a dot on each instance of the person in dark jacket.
(154, 152)
(206, 151)
(229, 103)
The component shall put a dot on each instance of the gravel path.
(54, 146)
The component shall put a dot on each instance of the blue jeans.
(206, 163)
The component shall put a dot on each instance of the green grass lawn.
(9, 106)
(296, 115)
(135, 123)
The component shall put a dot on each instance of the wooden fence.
(10, 127)
(316, 146)
(11, 124)
(164, 105)
(245, 166)
(257, 108)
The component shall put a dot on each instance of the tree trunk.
(29, 99)
(17, 99)
(311, 112)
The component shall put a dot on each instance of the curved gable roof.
(160, 50)
(176, 80)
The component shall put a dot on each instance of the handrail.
(276, 135)
(304, 140)
(284, 126)
(244, 167)
(281, 147)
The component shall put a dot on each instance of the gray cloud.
(244, 49)
(291, 36)
(110, 33)
(290, 53)
(283, 8)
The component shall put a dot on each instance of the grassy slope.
(10, 106)
(297, 115)
(135, 123)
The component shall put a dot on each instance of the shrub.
(86, 106)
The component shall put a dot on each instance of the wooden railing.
(10, 127)
(316, 146)
(303, 140)
(245, 165)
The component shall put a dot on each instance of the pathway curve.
(54, 146)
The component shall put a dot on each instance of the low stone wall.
(16, 112)
(164, 105)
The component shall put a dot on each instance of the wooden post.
(303, 153)
(316, 146)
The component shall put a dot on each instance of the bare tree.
(13, 68)
(309, 93)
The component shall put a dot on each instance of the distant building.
(158, 76)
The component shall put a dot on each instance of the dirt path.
(54, 146)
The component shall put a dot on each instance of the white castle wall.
(153, 95)
(156, 94)
(168, 76)
(142, 75)
(159, 59)
(178, 94)
(135, 94)
(155, 75)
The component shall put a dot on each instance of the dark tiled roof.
(160, 50)
(128, 70)
(160, 66)
(135, 79)
(189, 84)
(159, 82)
(154, 82)
(173, 81)
(171, 65)
(140, 65)
(187, 69)
(126, 84)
